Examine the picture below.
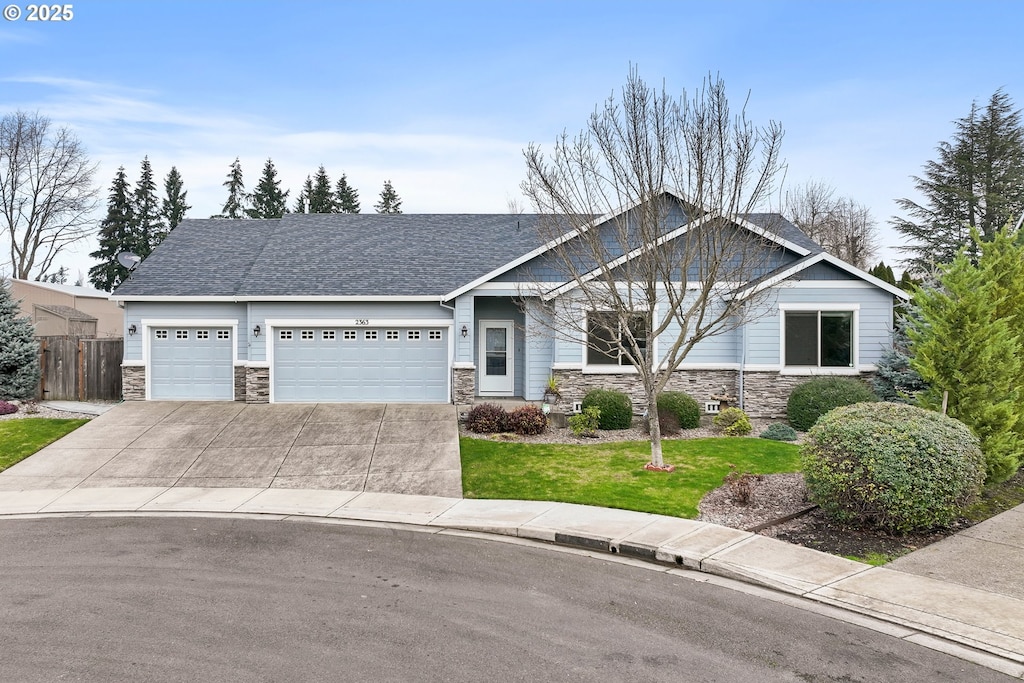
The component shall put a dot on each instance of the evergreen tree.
(174, 204)
(116, 234)
(907, 283)
(961, 344)
(58, 278)
(148, 224)
(268, 201)
(346, 196)
(302, 201)
(321, 197)
(19, 351)
(883, 273)
(234, 207)
(389, 200)
(976, 182)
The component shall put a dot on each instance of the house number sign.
(362, 322)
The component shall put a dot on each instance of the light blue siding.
(502, 308)
(539, 355)
(464, 318)
(135, 312)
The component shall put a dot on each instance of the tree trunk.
(655, 429)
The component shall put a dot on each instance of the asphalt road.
(197, 599)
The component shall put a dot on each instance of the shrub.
(892, 466)
(779, 432)
(7, 408)
(585, 423)
(528, 420)
(811, 400)
(741, 486)
(683, 406)
(615, 406)
(732, 422)
(487, 418)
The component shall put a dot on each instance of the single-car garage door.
(361, 364)
(191, 363)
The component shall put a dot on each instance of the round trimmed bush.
(732, 422)
(777, 431)
(7, 408)
(812, 399)
(892, 466)
(487, 418)
(615, 406)
(527, 420)
(683, 406)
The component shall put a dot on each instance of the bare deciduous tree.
(633, 264)
(46, 191)
(842, 226)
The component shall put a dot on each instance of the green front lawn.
(23, 437)
(612, 474)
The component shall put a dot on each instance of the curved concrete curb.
(991, 623)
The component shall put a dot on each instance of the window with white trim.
(161, 334)
(370, 335)
(607, 336)
(284, 334)
(348, 335)
(306, 335)
(223, 334)
(819, 339)
(181, 334)
(202, 334)
(413, 335)
(391, 335)
(434, 335)
(327, 335)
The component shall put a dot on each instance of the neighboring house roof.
(66, 312)
(68, 289)
(343, 255)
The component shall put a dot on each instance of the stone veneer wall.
(765, 393)
(239, 383)
(257, 385)
(463, 385)
(133, 383)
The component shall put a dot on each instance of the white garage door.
(191, 363)
(337, 364)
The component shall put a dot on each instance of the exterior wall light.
(256, 331)
(465, 331)
(132, 329)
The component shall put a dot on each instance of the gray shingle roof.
(346, 254)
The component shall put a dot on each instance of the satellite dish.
(129, 260)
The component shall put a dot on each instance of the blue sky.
(442, 97)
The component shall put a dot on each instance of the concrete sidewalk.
(920, 607)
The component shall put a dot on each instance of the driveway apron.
(388, 448)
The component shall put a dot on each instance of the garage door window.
(349, 335)
(161, 334)
(414, 335)
(223, 334)
(307, 335)
(434, 335)
(202, 334)
(181, 334)
(328, 335)
(370, 335)
(392, 335)
(284, 334)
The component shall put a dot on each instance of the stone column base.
(133, 383)
(257, 385)
(463, 385)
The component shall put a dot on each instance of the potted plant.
(551, 393)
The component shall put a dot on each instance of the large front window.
(819, 339)
(606, 337)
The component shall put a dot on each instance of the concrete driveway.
(392, 448)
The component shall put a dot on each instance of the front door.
(497, 339)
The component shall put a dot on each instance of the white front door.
(497, 339)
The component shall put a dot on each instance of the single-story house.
(66, 310)
(430, 308)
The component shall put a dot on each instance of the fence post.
(81, 370)
(42, 374)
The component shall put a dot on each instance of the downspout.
(451, 355)
(743, 353)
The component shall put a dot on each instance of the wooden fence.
(76, 369)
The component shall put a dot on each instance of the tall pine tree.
(268, 201)
(346, 197)
(321, 197)
(976, 182)
(116, 234)
(174, 204)
(389, 200)
(19, 351)
(234, 207)
(148, 225)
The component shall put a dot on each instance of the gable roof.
(66, 312)
(67, 289)
(785, 272)
(330, 255)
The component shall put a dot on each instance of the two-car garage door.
(360, 364)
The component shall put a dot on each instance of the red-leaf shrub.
(7, 408)
(528, 420)
(487, 418)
